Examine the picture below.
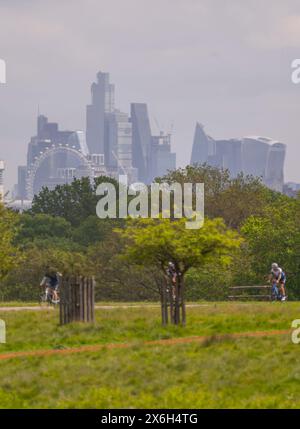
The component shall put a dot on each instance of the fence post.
(77, 300)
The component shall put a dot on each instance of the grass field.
(225, 372)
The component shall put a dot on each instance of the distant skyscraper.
(257, 156)
(48, 134)
(124, 141)
(113, 145)
(229, 152)
(1, 180)
(274, 168)
(151, 155)
(54, 157)
(203, 146)
(102, 103)
(254, 153)
(118, 144)
(109, 131)
(162, 159)
(21, 187)
(141, 140)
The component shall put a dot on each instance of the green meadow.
(226, 372)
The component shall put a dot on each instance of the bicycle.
(275, 293)
(47, 297)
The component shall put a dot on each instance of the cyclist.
(278, 276)
(51, 281)
(171, 272)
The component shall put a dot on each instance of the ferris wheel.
(51, 151)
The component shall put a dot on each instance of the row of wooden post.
(77, 300)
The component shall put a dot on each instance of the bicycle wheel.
(42, 299)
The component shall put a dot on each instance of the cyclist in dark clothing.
(51, 281)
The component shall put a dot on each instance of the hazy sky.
(224, 63)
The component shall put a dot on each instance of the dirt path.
(167, 342)
(97, 307)
(31, 308)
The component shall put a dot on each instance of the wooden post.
(177, 303)
(93, 300)
(77, 300)
(182, 301)
(172, 297)
(164, 303)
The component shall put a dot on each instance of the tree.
(9, 253)
(74, 202)
(245, 196)
(93, 230)
(157, 242)
(42, 226)
(233, 199)
(275, 237)
(23, 281)
(119, 279)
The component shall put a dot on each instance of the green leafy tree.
(42, 226)
(275, 237)
(93, 230)
(74, 202)
(233, 199)
(157, 242)
(118, 279)
(9, 253)
(23, 281)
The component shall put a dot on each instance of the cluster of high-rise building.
(114, 144)
(257, 156)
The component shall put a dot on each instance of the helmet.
(275, 266)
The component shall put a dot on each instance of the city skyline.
(105, 125)
(226, 65)
(113, 144)
(257, 156)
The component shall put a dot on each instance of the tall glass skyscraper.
(274, 168)
(141, 140)
(257, 156)
(162, 159)
(203, 146)
(151, 155)
(108, 130)
(118, 141)
(102, 104)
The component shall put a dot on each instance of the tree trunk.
(177, 301)
(182, 299)
(164, 306)
(171, 302)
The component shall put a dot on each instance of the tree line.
(247, 227)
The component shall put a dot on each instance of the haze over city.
(225, 64)
(149, 210)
